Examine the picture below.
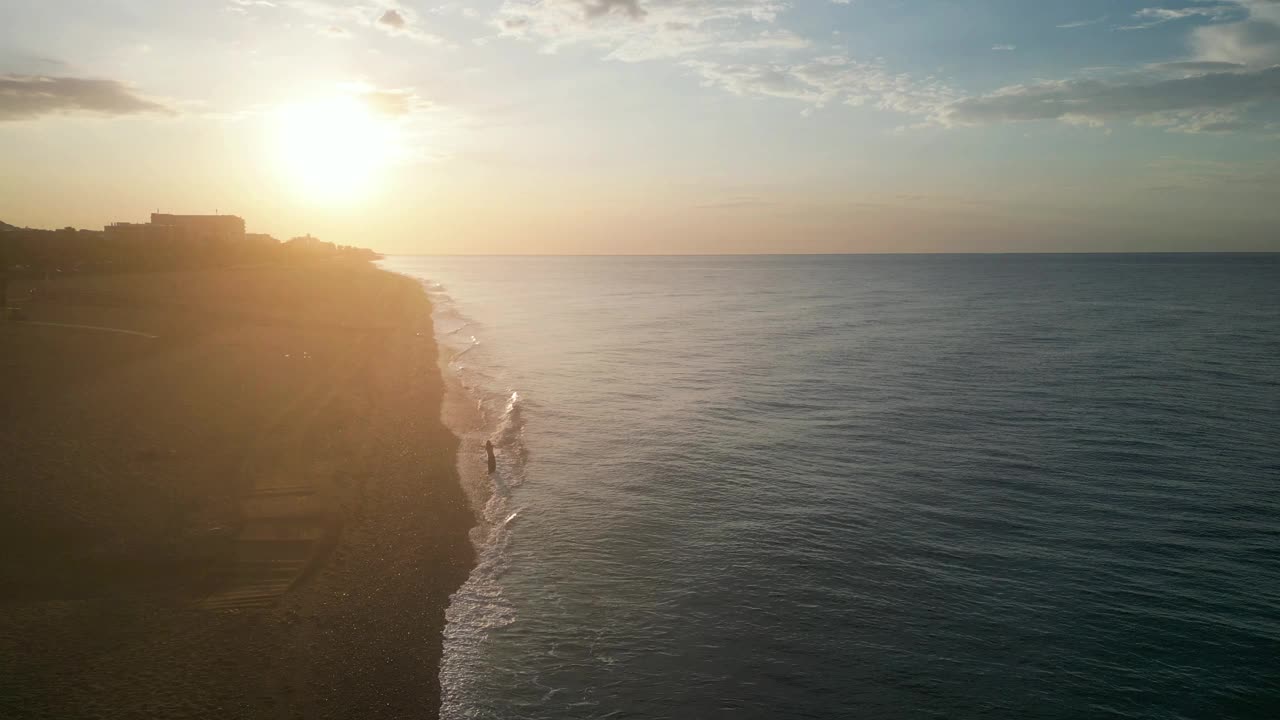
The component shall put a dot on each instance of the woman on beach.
(493, 461)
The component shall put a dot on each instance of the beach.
(226, 493)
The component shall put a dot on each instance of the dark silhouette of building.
(215, 228)
(200, 229)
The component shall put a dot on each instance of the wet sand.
(254, 513)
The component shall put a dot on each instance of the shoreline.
(466, 624)
(135, 457)
(462, 412)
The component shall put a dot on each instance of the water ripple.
(872, 486)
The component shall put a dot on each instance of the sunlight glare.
(334, 150)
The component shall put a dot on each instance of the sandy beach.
(244, 506)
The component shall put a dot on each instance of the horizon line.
(840, 254)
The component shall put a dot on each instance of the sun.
(334, 150)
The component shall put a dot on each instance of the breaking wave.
(478, 409)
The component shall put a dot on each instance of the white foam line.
(90, 327)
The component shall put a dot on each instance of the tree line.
(72, 250)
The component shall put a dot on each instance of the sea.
(865, 486)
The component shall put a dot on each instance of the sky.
(654, 126)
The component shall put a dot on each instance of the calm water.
(879, 487)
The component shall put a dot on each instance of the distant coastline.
(166, 242)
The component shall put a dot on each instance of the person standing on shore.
(493, 461)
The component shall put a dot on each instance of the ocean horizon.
(395, 257)
(935, 485)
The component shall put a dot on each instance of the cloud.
(241, 6)
(636, 30)
(1154, 16)
(829, 80)
(768, 80)
(1254, 41)
(1196, 67)
(336, 16)
(765, 40)
(24, 97)
(392, 19)
(1093, 101)
(1201, 122)
(598, 8)
(737, 46)
(734, 45)
(1083, 23)
(1235, 67)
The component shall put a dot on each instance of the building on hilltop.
(127, 231)
(201, 227)
(189, 240)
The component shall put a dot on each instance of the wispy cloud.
(739, 47)
(830, 80)
(1093, 102)
(336, 17)
(734, 45)
(25, 97)
(631, 31)
(1083, 23)
(1153, 16)
(1201, 122)
(1233, 70)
